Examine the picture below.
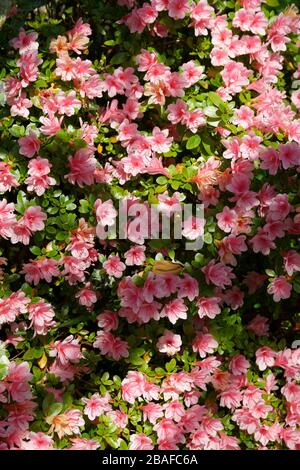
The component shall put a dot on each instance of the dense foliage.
(137, 342)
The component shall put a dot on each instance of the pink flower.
(174, 310)
(96, 405)
(166, 429)
(105, 212)
(51, 125)
(119, 418)
(20, 106)
(265, 357)
(7, 218)
(114, 266)
(67, 423)
(280, 288)
(177, 9)
(66, 351)
(227, 219)
(82, 166)
(235, 76)
(152, 412)
(87, 296)
(291, 262)
(7, 179)
(270, 160)
(239, 365)
(192, 72)
(39, 181)
(29, 145)
(169, 343)
(177, 112)
(67, 104)
(38, 441)
(25, 42)
(208, 307)
(82, 443)
(34, 218)
(193, 228)
(188, 287)
(204, 344)
(111, 345)
(160, 141)
(133, 386)
(41, 315)
(140, 442)
(135, 256)
(262, 243)
(108, 320)
(218, 274)
(259, 326)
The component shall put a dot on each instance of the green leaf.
(17, 131)
(217, 100)
(170, 366)
(193, 142)
(161, 180)
(55, 409)
(207, 238)
(35, 250)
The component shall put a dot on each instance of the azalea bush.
(138, 342)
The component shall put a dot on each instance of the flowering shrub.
(130, 342)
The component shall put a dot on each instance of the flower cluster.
(170, 103)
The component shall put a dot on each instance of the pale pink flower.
(65, 424)
(177, 9)
(152, 412)
(193, 227)
(188, 287)
(67, 103)
(82, 167)
(265, 357)
(82, 443)
(227, 219)
(51, 125)
(7, 179)
(140, 442)
(111, 345)
(34, 218)
(169, 343)
(280, 288)
(66, 351)
(174, 310)
(86, 296)
(38, 441)
(41, 315)
(114, 266)
(120, 418)
(133, 386)
(204, 344)
(20, 106)
(96, 405)
(25, 42)
(291, 262)
(208, 307)
(135, 256)
(108, 320)
(218, 274)
(105, 212)
(192, 72)
(239, 365)
(29, 145)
